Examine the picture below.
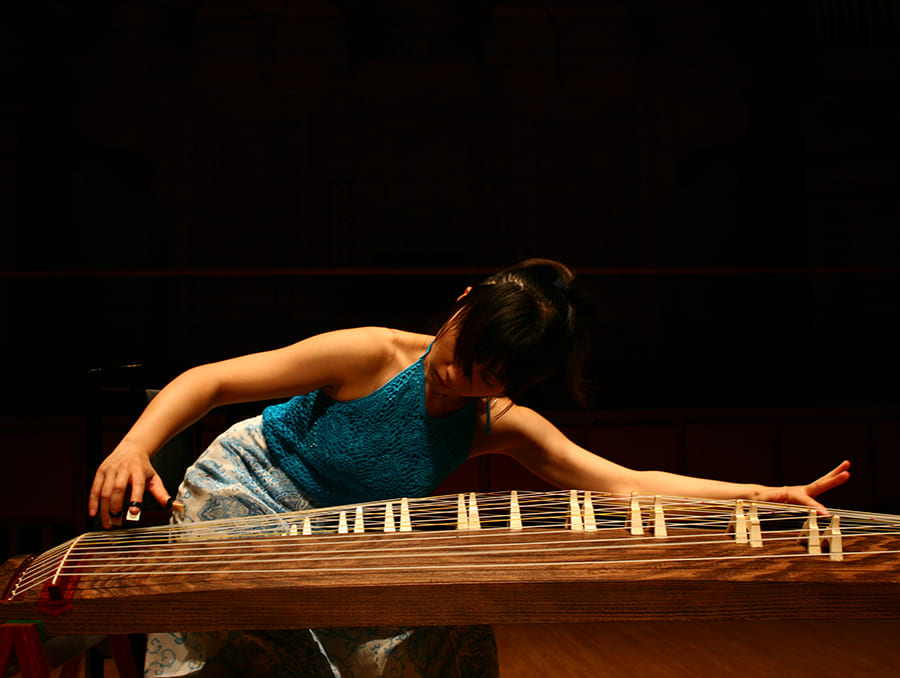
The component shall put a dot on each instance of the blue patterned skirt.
(235, 478)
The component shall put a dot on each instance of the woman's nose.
(454, 375)
(451, 374)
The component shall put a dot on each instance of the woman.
(374, 414)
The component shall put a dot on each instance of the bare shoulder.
(364, 344)
(377, 347)
(346, 364)
(514, 428)
(408, 346)
(353, 352)
(368, 357)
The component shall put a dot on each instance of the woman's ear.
(464, 294)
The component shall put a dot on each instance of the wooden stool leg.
(26, 638)
(123, 656)
(70, 668)
(6, 644)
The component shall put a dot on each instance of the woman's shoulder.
(381, 344)
(514, 428)
(371, 356)
(408, 347)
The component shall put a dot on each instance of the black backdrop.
(187, 181)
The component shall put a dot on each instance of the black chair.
(115, 398)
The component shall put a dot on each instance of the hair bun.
(544, 272)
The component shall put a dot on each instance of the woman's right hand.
(127, 467)
(344, 357)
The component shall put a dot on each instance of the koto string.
(216, 552)
(333, 541)
(233, 527)
(188, 548)
(543, 564)
(182, 568)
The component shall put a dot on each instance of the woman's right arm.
(328, 361)
(182, 402)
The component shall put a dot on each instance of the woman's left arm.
(539, 446)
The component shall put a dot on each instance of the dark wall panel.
(183, 182)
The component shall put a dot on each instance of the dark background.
(188, 181)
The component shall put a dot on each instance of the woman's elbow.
(200, 384)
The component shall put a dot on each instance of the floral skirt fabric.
(235, 478)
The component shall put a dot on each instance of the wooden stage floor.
(745, 649)
(818, 649)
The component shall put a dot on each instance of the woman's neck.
(440, 405)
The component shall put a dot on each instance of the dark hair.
(524, 325)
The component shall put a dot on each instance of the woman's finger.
(804, 499)
(137, 496)
(158, 489)
(108, 500)
(94, 498)
(837, 476)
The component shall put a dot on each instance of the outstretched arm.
(540, 447)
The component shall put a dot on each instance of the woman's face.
(447, 378)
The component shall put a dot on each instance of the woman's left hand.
(804, 495)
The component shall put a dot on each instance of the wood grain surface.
(460, 578)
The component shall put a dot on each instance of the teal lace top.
(382, 446)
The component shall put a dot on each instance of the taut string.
(565, 527)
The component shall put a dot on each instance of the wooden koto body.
(498, 558)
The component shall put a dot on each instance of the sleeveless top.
(381, 446)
